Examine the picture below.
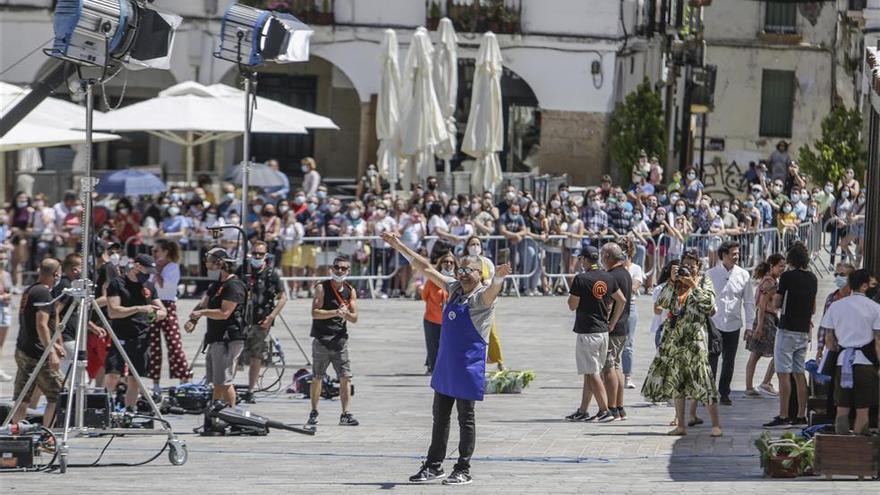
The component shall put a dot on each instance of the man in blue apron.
(458, 378)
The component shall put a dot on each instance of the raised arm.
(501, 272)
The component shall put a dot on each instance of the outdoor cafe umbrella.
(484, 136)
(131, 183)
(446, 84)
(25, 135)
(421, 128)
(388, 109)
(260, 175)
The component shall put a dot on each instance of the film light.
(252, 37)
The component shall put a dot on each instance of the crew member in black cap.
(223, 306)
(133, 305)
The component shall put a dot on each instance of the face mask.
(211, 217)
(749, 204)
(123, 211)
(786, 209)
(268, 213)
(305, 169)
(256, 262)
(38, 204)
(174, 211)
(563, 195)
(299, 200)
(861, 200)
(312, 207)
(554, 204)
(114, 258)
(355, 214)
(230, 195)
(572, 217)
(845, 194)
(534, 211)
(673, 198)
(612, 201)
(372, 173)
(214, 274)
(475, 250)
(22, 204)
(333, 208)
(234, 220)
(692, 176)
(322, 194)
(448, 273)
(756, 194)
(839, 282)
(258, 209)
(680, 209)
(637, 217)
(284, 209)
(453, 209)
(829, 189)
(872, 292)
(338, 278)
(515, 216)
(725, 210)
(143, 277)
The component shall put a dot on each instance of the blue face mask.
(256, 262)
(840, 282)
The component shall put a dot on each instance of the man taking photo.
(267, 300)
(133, 303)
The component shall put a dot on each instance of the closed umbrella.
(388, 109)
(484, 135)
(421, 127)
(260, 175)
(131, 183)
(446, 84)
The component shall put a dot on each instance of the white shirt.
(853, 319)
(733, 294)
(170, 280)
(637, 274)
(382, 225)
(311, 181)
(658, 320)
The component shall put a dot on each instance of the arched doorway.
(522, 117)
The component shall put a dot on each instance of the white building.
(568, 63)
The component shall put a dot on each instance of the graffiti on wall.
(724, 179)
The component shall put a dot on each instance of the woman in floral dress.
(681, 368)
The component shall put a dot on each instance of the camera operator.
(70, 271)
(37, 324)
(133, 304)
(267, 300)
(223, 306)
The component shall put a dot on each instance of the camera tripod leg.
(192, 363)
(295, 341)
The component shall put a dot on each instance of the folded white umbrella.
(388, 108)
(421, 129)
(25, 135)
(484, 135)
(446, 84)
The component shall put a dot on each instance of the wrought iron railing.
(314, 12)
(477, 16)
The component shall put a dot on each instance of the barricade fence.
(541, 263)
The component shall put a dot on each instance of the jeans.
(383, 257)
(432, 343)
(729, 344)
(631, 324)
(440, 434)
(529, 262)
(639, 257)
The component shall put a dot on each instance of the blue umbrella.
(131, 183)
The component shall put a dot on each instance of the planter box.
(850, 455)
(777, 469)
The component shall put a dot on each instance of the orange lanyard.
(342, 302)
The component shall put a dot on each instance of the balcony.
(477, 16)
(314, 12)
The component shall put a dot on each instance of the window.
(777, 103)
(780, 18)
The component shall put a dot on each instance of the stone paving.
(523, 446)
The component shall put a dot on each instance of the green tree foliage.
(637, 124)
(839, 148)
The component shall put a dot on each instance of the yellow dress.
(495, 355)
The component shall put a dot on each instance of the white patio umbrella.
(446, 84)
(25, 135)
(388, 108)
(484, 135)
(421, 129)
(191, 114)
(275, 109)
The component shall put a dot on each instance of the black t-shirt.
(69, 332)
(265, 287)
(332, 332)
(798, 290)
(232, 328)
(28, 340)
(131, 294)
(594, 288)
(624, 282)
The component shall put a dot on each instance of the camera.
(684, 271)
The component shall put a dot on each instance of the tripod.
(82, 292)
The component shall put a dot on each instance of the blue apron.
(461, 361)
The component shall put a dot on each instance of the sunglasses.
(341, 268)
(465, 270)
(258, 255)
(447, 263)
(840, 275)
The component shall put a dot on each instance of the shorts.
(322, 357)
(616, 343)
(50, 381)
(401, 261)
(138, 351)
(220, 359)
(790, 351)
(255, 345)
(292, 258)
(866, 388)
(5, 316)
(591, 352)
(308, 256)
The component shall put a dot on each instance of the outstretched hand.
(504, 270)
(392, 238)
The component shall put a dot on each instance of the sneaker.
(768, 389)
(799, 422)
(313, 418)
(458, 478)
(346, 419)
(621, 413)
(778, 422)
(614, 414)
(725, 401)
(602, 417)
(427, 474)
(577, 416)
(4, 377)
(629, 383)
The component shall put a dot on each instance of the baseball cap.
(590, 253)
(146, 261)
(219, 253)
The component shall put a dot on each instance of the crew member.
(223, 306)
(98, 343)
(133, 304)
(70, 271)
(459, 374)
(333, 308)
(37, 324)
(267, 300)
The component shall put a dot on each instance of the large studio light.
(102, 33)
(252, 37)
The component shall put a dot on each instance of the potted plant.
(511, 18)
(508, 381)
(787, 457)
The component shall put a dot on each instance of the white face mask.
(840, 282)
(845, 194)
(214, 274)
(510, 196)
(786, 209)
(554, 204)
(680, 209)
(355, 214)
(338, 278)
(305, 169)
(448, 273)
(563, 195)
(453, 209)
(258, 209)
(475, 250)
(829, 189)
(534, 211)
(115, 258)
(174, 211)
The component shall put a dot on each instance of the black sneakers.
(621, 414)
(778, 422)
(313, 418)
(799, 422)
(427, 474)
(601, 417)
(458, 478)
(577, 416)
(346, 419)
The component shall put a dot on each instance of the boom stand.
(82, 292)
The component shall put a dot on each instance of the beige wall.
(574, 143)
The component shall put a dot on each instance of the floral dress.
(681, 367)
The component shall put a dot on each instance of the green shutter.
(780, 17)
(777, 103)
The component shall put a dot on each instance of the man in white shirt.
(733, 295)
(852, 327)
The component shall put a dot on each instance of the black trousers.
(729, 344)
(440, 434)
